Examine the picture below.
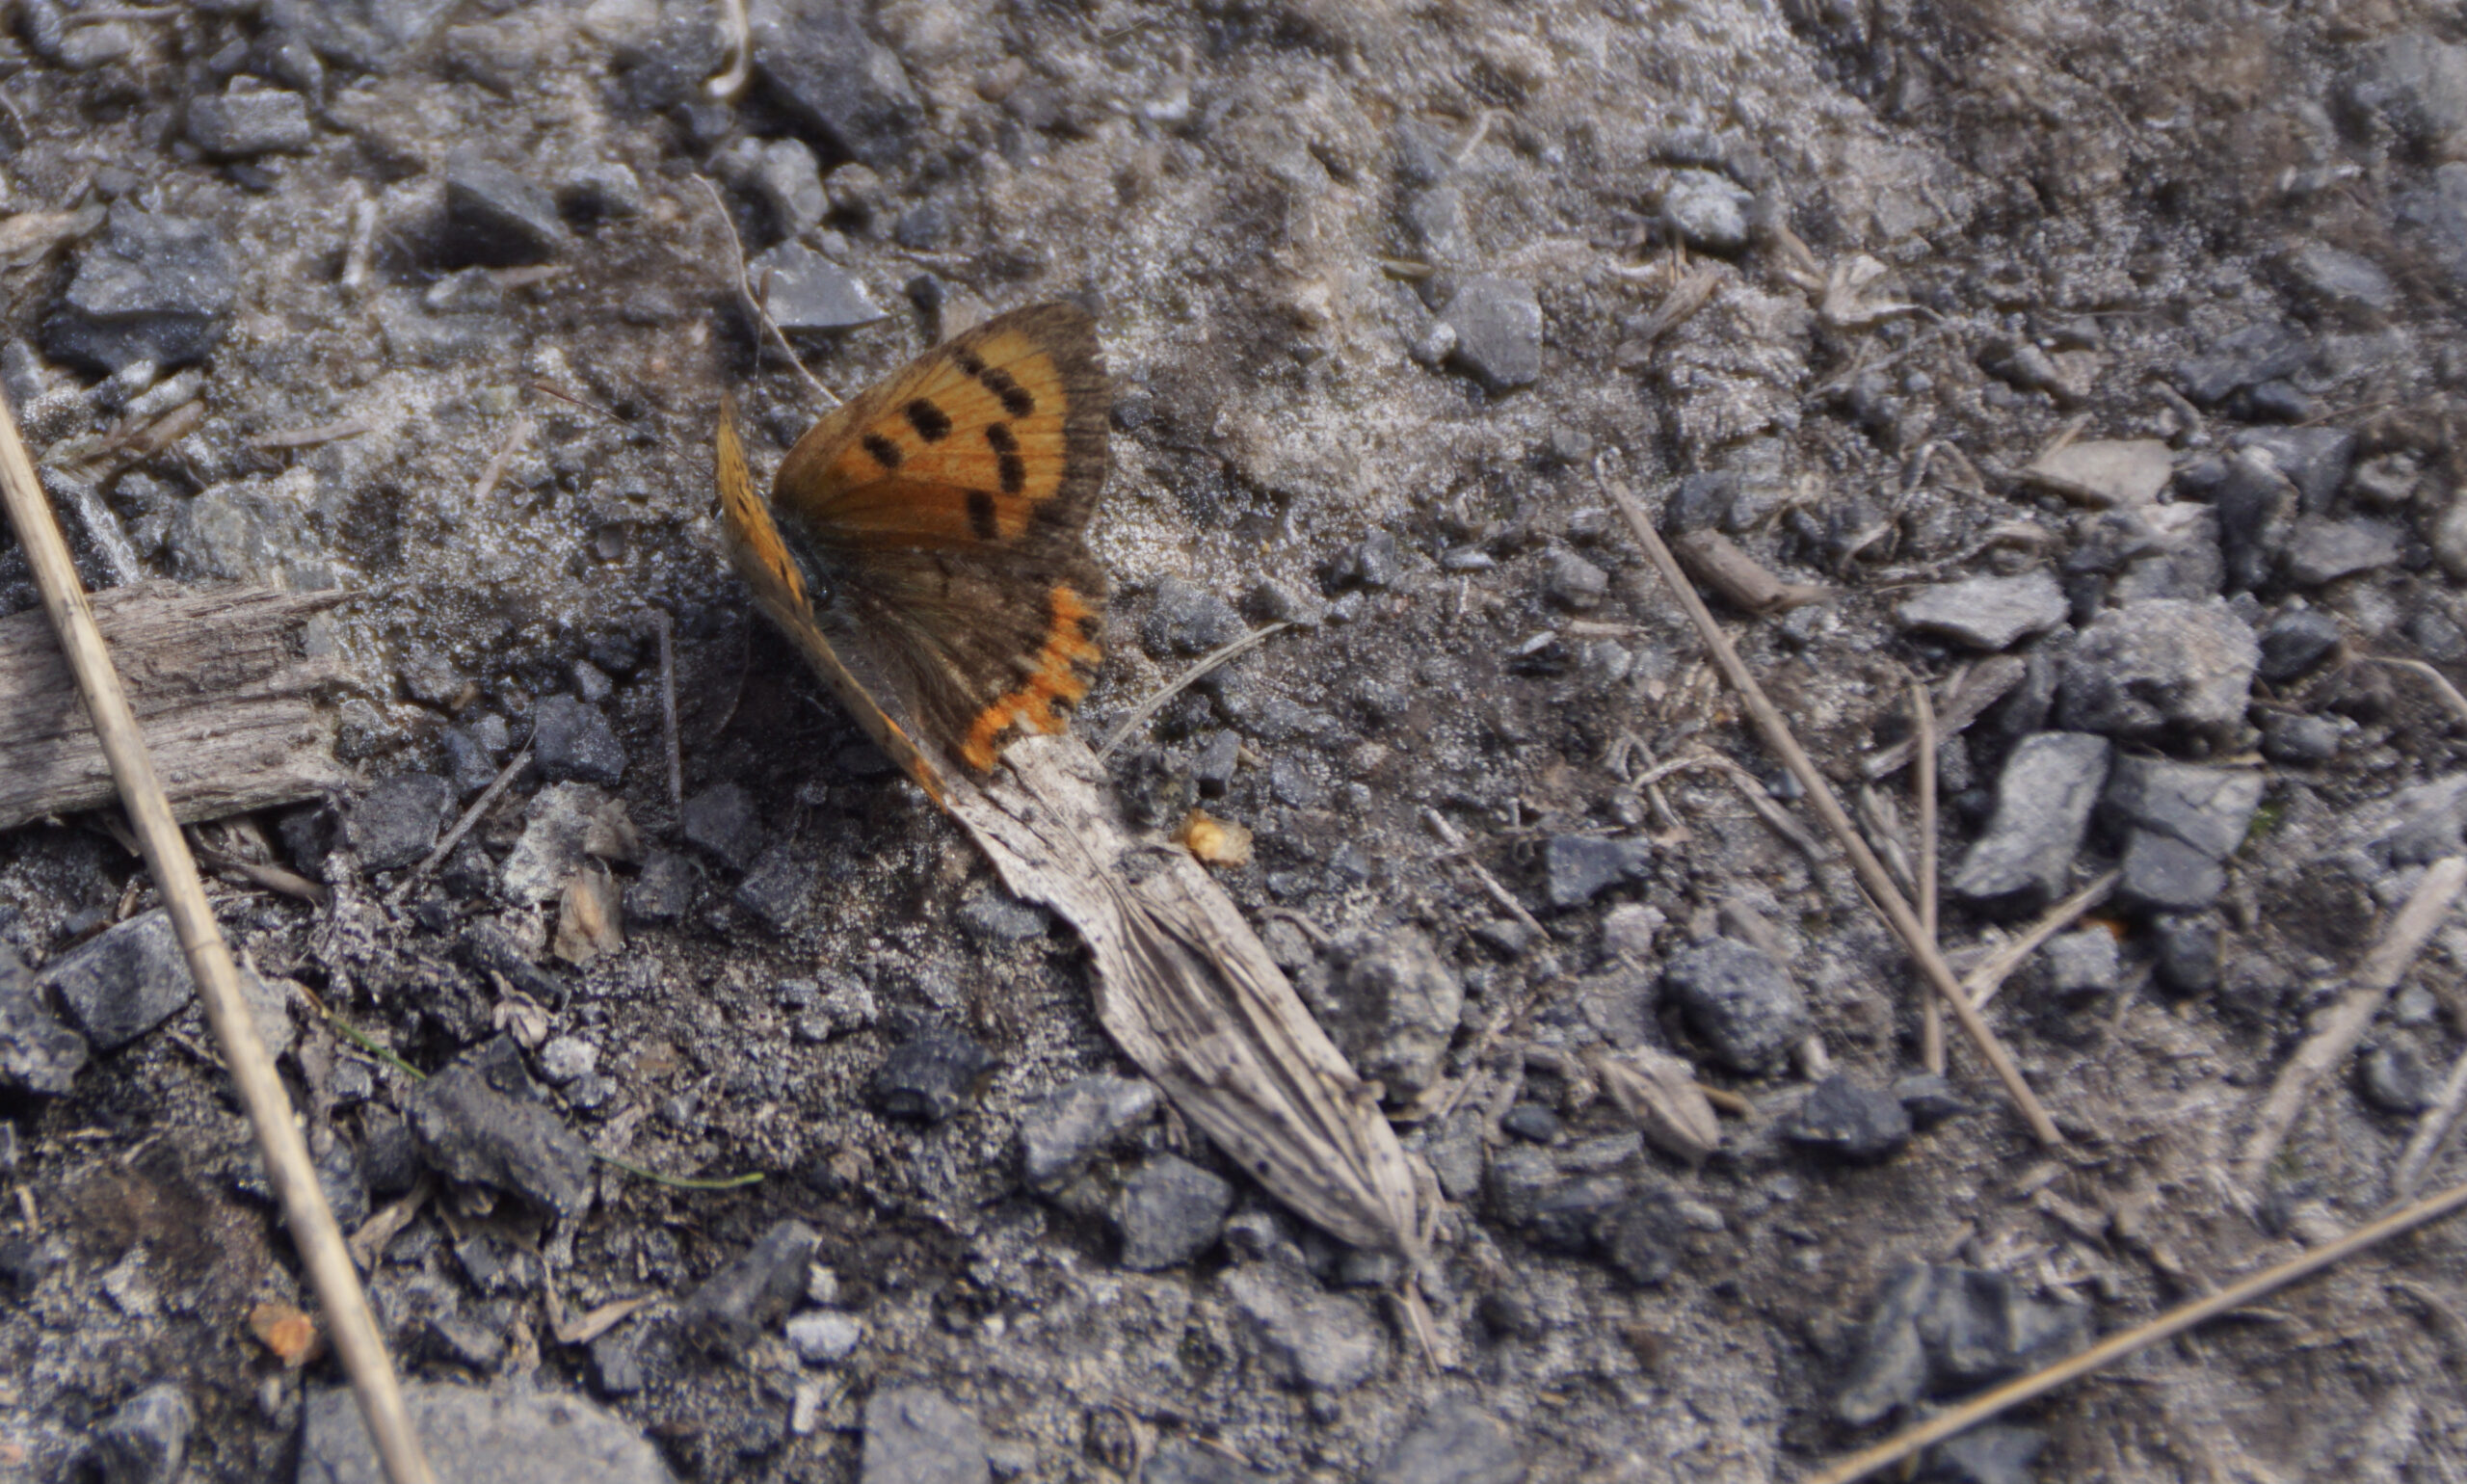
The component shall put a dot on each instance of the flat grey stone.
(2314, 459)
(809, 292)
(825, 1336)
(2339, 279)
(2083, 962)
(146, 1440)
(38, 1054)
(122, 984)
(2321, 551)
(156, 288)
(1849, 1119)
(722, 820)
(1169, 1211)
(819, 61)
(514, 1436)
(571, 741)
(370, 35)
(2207, 808)
(2154, 669)
(1061, 1132)
(1576, 868)
(498, 217)
(1453, 1445)
(237, 125)
(736, 1304)
(915, 1435)
(2043, 801)
(395, 823)
(1499, 330)
(468, 1131)
(1392, 1007)
(1708, 209)
(1317, 1341)
(1747, 1009)
(1988, 613)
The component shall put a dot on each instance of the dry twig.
(754, 303)
(1820, 797)
(2338, 1029)
(1931, 1016)
(288, 1169)
(2430, 1130)
(668, 709)
(1981, 984)
(478, 811)
(1183, 681)
(2441, 686)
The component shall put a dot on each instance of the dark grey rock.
(1743, 1006)
(722, 820)
(617, 1361)
(931, 1075)
(1168, 1212)
(992, 914)
(2257, 507)
(1568, 1215)
(1453, 1445)
(369, 35)
(1532, 1122)
(518, 1435)
(469, 764)
(571, 741)
(2182, 823)
(1929, 1098)
(736, 1304)
(468, 1131)
(388, 1155)
(2314, 459)
(777, 888)
(1851, 1120)
(1436, 216)
(156, 288)
(1576, 868)
(235, 126)
(2295, 641)
(2043, 802)
(1988, 613)
(915, 1435)
(1187, 619)
(1574, 583)
(1499, 330)
(2083, 963)
(1318, 1341)
(599, 190)
(146, 1440)
(2321, 551)
(1276, 602)
(38, 1054)
(1061, 1132)
(1187, 1463)
(395, 823)
(2160, 669)
(2393, 1079)
(789, 180)
(1708, 210)
(496, 217)
(665, 889)
(1643, 1239)
(2341, 281)
(122, 984)
(2187, 946)
(1995, 1453)
(458, 1338)
(2247, 357)
(809, 292)
(1212, 765)
(1392, 1005)
(2299, 741)
(819, 62)
(1942, 1330)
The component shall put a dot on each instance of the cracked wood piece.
(1188, 992)
(225, 704)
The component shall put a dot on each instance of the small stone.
(991, 915)
(146, 1440)
(777, 888)
(2314, 459)
(2389, 482)
(825, 1336)
(788, 180)
(2158, 669)
(1436, 216)
(1709, 211)
(572, 741)
(1988, 613)
(2295, 641)
(732, 1309)
(38, 1054)
(564, 1058)
(1578, 868)
(468, 1131)
(497, 218)
(1061, 1132)
(156, 288)
(1851, 1120)
(562, 825)
(1744, 1006)
(1188, 620)
(1169, 1211)
(2083, 963)
(2323, 551)
(2393, 1079)
(2413, 87)
(665, 889)
(459, 1339)
(122, 984)
(819, 61)
(1499, 330)
(1644, 1238)
(599, 190)
(809, 292)
(468, 764)
(1212, 765)
(722, 820)
(2257, 507)
(371, 36)
(2187, 947)
(472, 1434)
(2341, 281)
(617, 1363)
(1326, 1343)
(1276, 602)
(2299, 741)
(1453, 1444)
(1576, 583)
(931, 1075)
(2184, 820)
(1629, 930)
(238, 124)
(1928, 1097)
(1392, 1007)
(1995, 1453)
(2105, 473)
(2043, 801)
(1530, 1121)
(395, 823)
(2247, 357)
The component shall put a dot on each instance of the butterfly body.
(937, 521)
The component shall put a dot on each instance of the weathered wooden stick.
(354, 1328)
(1820, 797)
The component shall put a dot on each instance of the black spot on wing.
(969, 363)
(1015, 400)
(1015, 473)
(998, 436)
(980, 516)
(886, 452)
(931, 422)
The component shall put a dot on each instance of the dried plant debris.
(1564, 1107)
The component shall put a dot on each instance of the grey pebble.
(1393, 1008)
(1169, 1211)
(500, 1437)
(1576, 868)
(2299, 740)
(736, 1304)
(1746, 1008)
(2322, 551)
(146, 1440)
(2342, 280)
(1453, 1445)
(1531, 1122)
(931, 1075)
(1061, 1132)
(2043, 801)
(564, 1058)
(722, 820)
(819, 62)
(238, 124)
(664, 891)
(1708, 210)
(123, 984)
(395, 823)
(1185, 1463)
(2083, 963)
(498, 218)
(571, 741)
(1575, 584)
(1499, 330)
(38, 1054)
(788, 180)
(2188, 959)
(1319, 1341)
(2314, 459)
(1997, 1453)
(372, 36)
(825, 1336)
(777, 888)
(1849, 1118)
(991, 915)
(2246, 357)
(470, 1132)
(2183, 821)
(915, 1435)
(156, 288)
(2295, 641)
(2393, 1079)
(1185, 619)
(809, 292)
(1942, 1331)
(1988, 613)
(2158, 668)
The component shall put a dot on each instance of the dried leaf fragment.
(590, 918)
(1658, 1092)
(1214, 841)
(288, 1334)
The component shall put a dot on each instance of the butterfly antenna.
(754, 303)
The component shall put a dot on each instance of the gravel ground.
(2098, 365)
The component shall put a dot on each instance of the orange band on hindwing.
(1068, 646)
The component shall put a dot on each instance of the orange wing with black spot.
(943, 512)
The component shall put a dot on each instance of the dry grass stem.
(515, 436)
(2336, 1030)
(1931, 1015)
(2448, 693)
(666, 629)
(1183, 681)
(1954, 1421)
(1981, 984)
(279, 1142)
(1489, 883)
(2431, 1132)
(753, 301)
(1820, 796)
(479, 810)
